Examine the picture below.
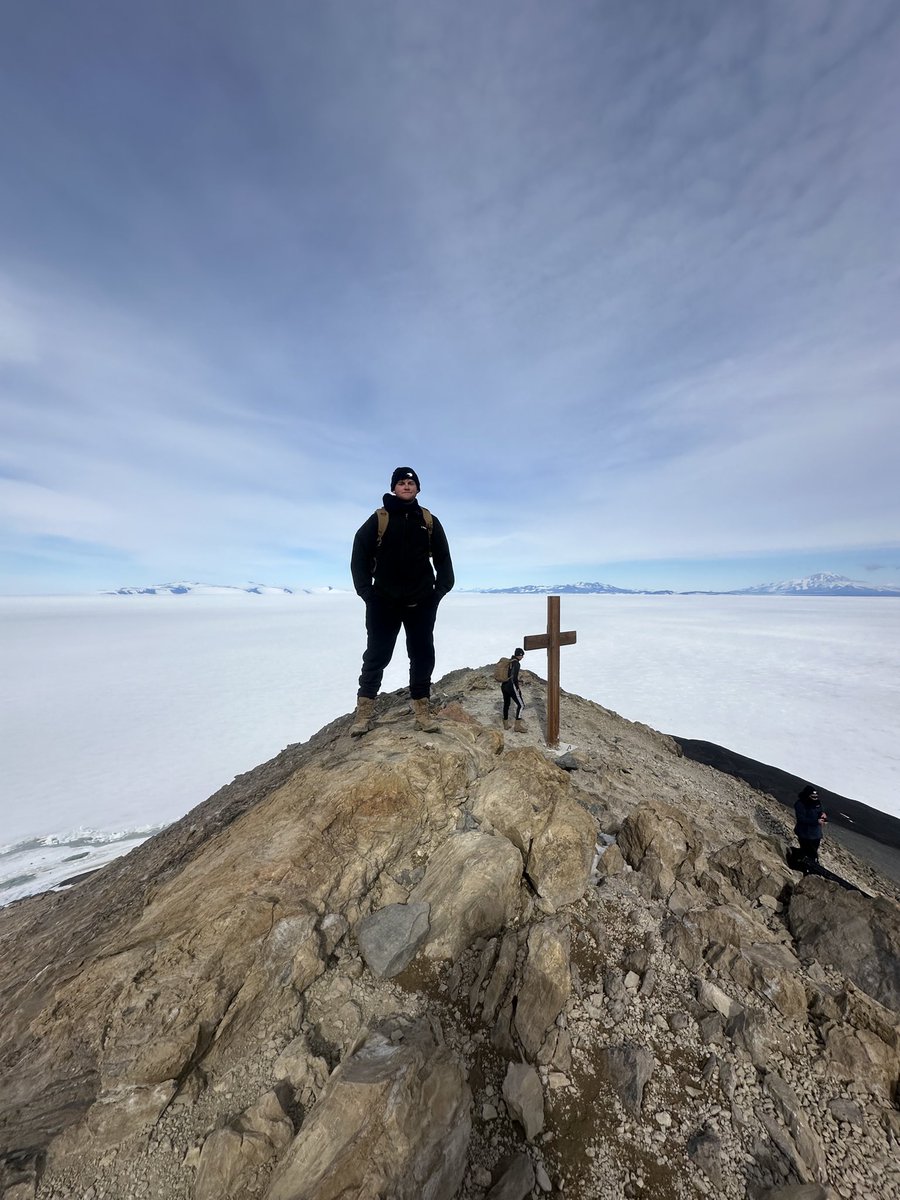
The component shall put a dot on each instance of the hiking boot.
(362, 723)
(505, 723)
(519, 727)
(424, 720)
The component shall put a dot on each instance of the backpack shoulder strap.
(429, 525)
(383, 517)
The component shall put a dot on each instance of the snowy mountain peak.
(824, 583)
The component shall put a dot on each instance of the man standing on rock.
(392, 572)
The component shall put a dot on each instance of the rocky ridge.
(458, 965)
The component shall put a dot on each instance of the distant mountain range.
(822, 584)
(215, 589)
(569, 589)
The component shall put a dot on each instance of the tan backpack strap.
(382, 515)
(429, 525)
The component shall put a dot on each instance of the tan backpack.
(501, 670)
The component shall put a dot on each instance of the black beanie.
(404, 473)
(805, 793)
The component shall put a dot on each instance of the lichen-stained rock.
(394, 1120)
(546, 983)
(532, 802)
(850, 1005)
(291, 956)
(472, 884)
(754, 868)
(858, 935)
(786, 1146)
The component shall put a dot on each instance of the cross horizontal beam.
(541, 641)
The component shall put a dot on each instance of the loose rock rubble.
(439, 965)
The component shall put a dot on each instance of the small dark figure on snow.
(512, 692)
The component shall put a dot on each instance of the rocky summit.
(427, 966)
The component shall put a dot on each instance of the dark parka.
(400, 567)
(808, 812)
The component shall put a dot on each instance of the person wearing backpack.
(391, 565)
(512, 692)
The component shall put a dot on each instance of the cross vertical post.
(551, 642)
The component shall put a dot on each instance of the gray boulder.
(627, 1067)
(524, 1098)
(857, 934)
(704, 1147)
(516, 1182)
(389, 938)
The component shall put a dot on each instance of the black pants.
(511, 693)
(809, 848)
(383, 621)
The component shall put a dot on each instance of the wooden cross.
(551, 642)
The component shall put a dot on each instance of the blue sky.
(619, 281)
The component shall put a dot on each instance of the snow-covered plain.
(120, 713)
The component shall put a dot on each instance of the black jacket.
(400, 568)
(807, 826)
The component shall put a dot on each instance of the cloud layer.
(619, 281)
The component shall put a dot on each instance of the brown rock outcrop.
(855, 933)
(394, 1119)
(532, 802)
(197, 1020)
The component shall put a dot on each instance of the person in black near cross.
(393, 574)
(512, 692)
